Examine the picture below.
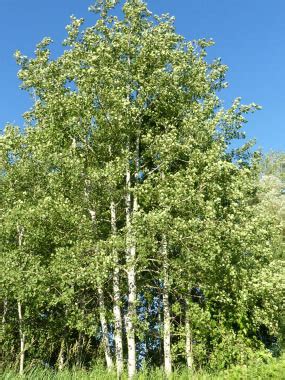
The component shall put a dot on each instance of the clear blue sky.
(249, 36)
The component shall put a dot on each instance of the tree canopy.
(135, 229)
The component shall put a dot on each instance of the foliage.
(271, 369)
(125, 192)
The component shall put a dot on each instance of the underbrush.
(274, 369)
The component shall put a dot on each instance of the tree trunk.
(102, 314)
(60, 359)
(166, 310)
(117, 299)
(22, 339)
(80, 345)
(130, 258)
(5, 309)
(160, 325)
(104, 326)
(20, 314)
(188, 336)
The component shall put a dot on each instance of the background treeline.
(135, 231)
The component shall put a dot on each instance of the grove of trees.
(135, 229)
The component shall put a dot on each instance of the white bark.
(102, 314)
(130, 323)
(5, 309)
(131, 210)
(188, 336)
(117, 298)
(159, 319)
(104, 326)
(22, 339)
(60, 359)
(166, 310)
(131, 256)
(80, 345)
(20, 314)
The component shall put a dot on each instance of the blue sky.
(249, 36)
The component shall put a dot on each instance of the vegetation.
(273, 369)
(136, 232)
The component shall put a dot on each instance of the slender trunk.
(5, 309)
(131, 210)
(188, 336)
(60, 359)
(159, 317)
(117, 298)
(80, 345)
(131, 256)
(22, 339)
(20, 314)
(104, 326)
(166, 310)
(102, 314)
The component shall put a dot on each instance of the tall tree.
(142, 223)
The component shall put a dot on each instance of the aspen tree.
(133, 84)
(20, 314)
(117, 298)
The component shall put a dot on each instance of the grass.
(275, 369)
